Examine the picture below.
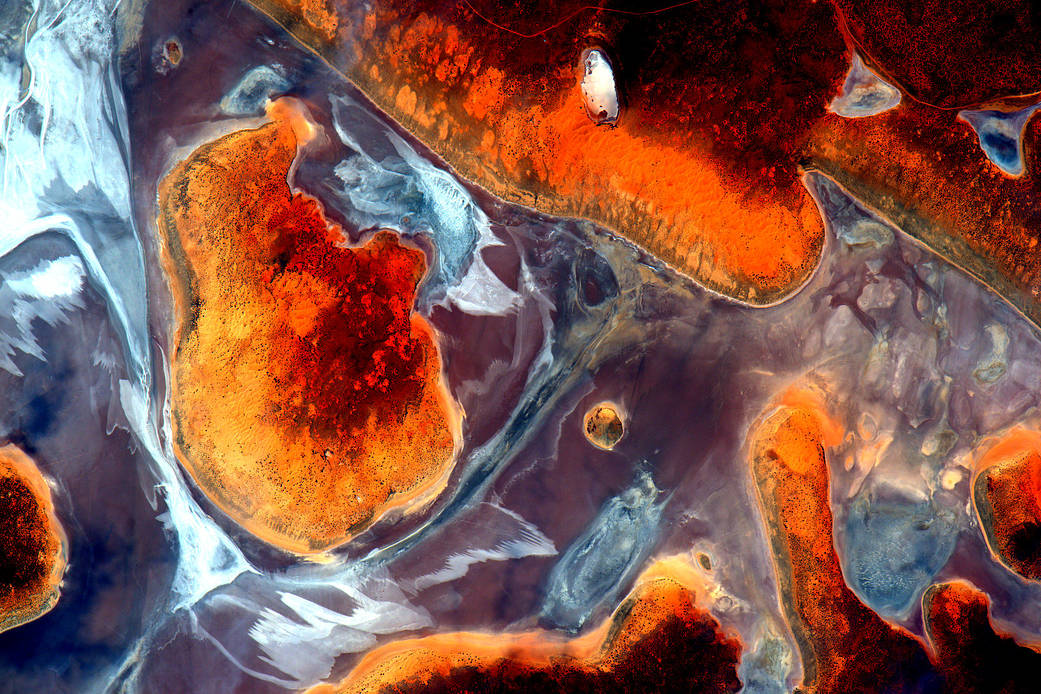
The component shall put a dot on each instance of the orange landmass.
(972, 654)
(845, 646)
(318, 16)
(305, 394)
(702, 167)
(1007, 498)
(524, 134)
(33, 547)
(603, 425)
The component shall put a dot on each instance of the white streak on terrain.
(51, 279)
(64, 167)
(305, 644)
(388, 184)
(302, 637)
(516, 539)
(45, 293)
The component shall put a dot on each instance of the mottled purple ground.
(538, 319)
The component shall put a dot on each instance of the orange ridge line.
(574, 14)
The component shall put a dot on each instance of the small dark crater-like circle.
(173, 52)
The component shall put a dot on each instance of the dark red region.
(748, 79)
(970, 653)
(23, 537)
(1006, 497)
(681, 654)
(361, 356)
(951, 53)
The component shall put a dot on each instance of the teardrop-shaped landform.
(598, 87)
(658, 640)
(33, 547)
(306, 394)
(864, 93)
(1000, 134)
(603, 425)
(1007, 496)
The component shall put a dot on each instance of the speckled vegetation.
(306, 394)
(32, 543)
